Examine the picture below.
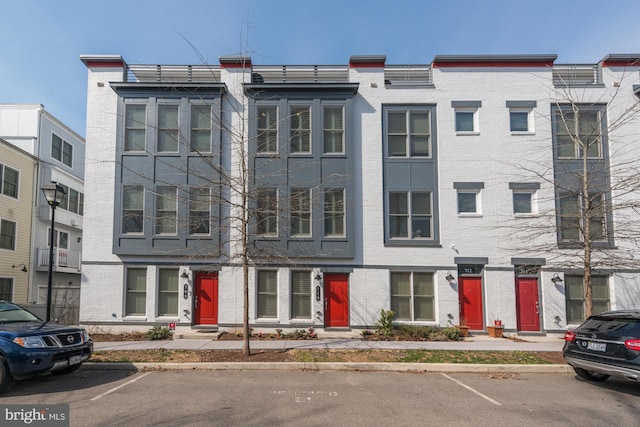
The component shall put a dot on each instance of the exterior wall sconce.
(318, 280)
(24, 267)
(184, 274)
(450, 277)
(556, 279)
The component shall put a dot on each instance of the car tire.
(590, 375)
(67, 370)
(6, 380)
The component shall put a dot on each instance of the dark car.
(605, 345)
(30, 346)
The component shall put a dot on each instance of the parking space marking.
(120, 386)
(471, 389)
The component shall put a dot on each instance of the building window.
(301, 295)
(7, 235)
(521, 116)
(333, 133)
(60, 239)
(300, 130)
(410, 215)
(267, 130)
(301, 212)
(64, 203)
(166, 210)
(168, 131)
(201, 128)
(574, 294)
(9, 181)
(522, 203)
(412, 296)
(468, 202)
(135, 127)
(577, 132)
(6, 289)
(136, 298)
(334, 215)
(572, 213)
(267, 294)
(466, 116)
(74, 200)
(168, 292)
(408, 134)
(267, 212)
(61, 150)
(132, 209)
(199, 210)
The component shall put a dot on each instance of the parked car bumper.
(30, 361)
(603, 368)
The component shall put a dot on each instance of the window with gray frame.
(135, 127)
(410, 215)
(267, 294)
(578, 131)
(334, 215)
(168, 128)
(574, 295)
(408, 134)
(572, 212)
(267, 138)
(300, 129)
(136, 297)
(466, 120)
(168, 292)
(300, 216)
(519, 121)
(9, 179)
(333, 132)
(7, 235)
(166, 210)
(412, 296)
(6, 289)
(132, 209)
(301, 295)
(199, 210)
(468, 201)
(524, 197)
(267, 212)
(200, 128)
(61, 150)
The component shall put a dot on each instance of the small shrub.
(158, 333)
(385, 323)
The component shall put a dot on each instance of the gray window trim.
(471, 260)
(524, 186)
(466, 104)
(522, 104)
(528, 261)
(468, 185)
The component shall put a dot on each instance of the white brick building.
(432, 190)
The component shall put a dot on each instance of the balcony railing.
(173, 74)
(407, 75)
(576, 75)
(300, 74)
(63, 259)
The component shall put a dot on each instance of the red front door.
(205, 303)
(527, 304)
(336, 300)
(470, 298)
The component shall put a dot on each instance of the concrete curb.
(333, 366)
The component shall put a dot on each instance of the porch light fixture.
(54, 193)
(24, 267)
(184, 274)
(450, 277)
(556, 279)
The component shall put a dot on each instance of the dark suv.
(29, 345)
(606, 345)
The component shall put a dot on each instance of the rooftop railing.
(173, 74)
(576, 75)
(300, 74)
(408, 75)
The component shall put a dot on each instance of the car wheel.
(6, 380)
(591, 375)
(66, 370)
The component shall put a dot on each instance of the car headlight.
(30, 342)
(85, 336)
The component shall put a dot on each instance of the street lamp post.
(54, 193)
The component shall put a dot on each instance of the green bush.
(385, 323)
(158, 333)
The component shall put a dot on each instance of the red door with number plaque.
(205, 304)
(470, 298)
(336, 300)
(527, 304)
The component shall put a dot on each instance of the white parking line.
(471, 389)
(120, 386)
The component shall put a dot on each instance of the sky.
(41, 40)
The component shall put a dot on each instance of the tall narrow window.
(300, 294)
(267, 130)
(333, 133)
(7, 235)
(168, 128)
(166, 210)
(201, 128)
(267, 294)
(569, 217)
(334, 213)
(136, 292)
(168, 292)
(132, 209)
(74, 199)
(398, 214)
(64, 203)
(9, 181)
(81, 204)
(135, 128)
(6, 289)
(300, 128)
(199, 210)
(301, 212)
(267, 212)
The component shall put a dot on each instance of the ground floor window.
(412, 296)
(6, 289)
(168, 292)
(136, 298)
(267, 294)
(300, 294)
(574, 294)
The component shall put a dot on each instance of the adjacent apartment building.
(52, 152)
(448, 192)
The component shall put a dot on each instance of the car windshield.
(11, 313)
(620, 327)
